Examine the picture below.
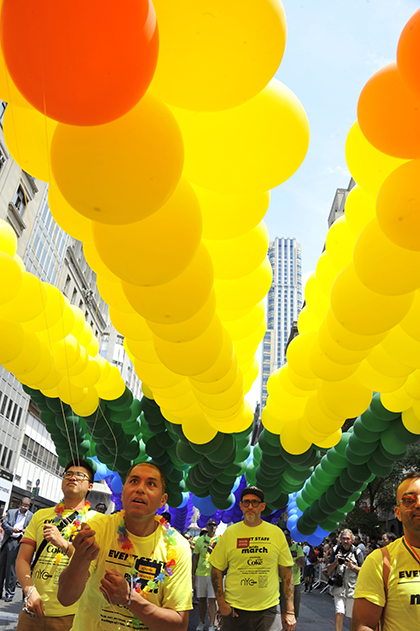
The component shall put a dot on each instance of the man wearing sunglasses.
(49, 537)
(388, 588)
(253, 552)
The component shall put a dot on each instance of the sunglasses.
(253, 503)
(409, 500)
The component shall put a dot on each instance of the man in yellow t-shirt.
(128, 569)
(40, 586)
(253, 552)
(201, 570)
(397, 603)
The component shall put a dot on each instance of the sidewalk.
(9, 612)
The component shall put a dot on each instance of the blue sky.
(333, 47)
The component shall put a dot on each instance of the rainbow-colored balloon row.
(359, 331)
(161, 166)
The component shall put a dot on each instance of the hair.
(203, 532)
(154, 466)
(80, 462)
(167, 516)
(410, 475)
(390, 536)
(25, 498)
(347, 531)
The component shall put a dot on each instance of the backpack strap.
(62, 524)
(385, 575)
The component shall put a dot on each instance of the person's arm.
(333, 563)
(23, 573)
(300, 559)
(73, 579)
(217, 582)
(53, 535)
(352, 566)
(289, 593)
(7, 525)
(194, 565)
(116, 591)
(366, 615)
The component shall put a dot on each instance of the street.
(316, 612)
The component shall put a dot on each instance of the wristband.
(291, 613)
(66, 551)
(128, 603)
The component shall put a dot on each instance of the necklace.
(411, 550)
(169, 535)
(70, 529)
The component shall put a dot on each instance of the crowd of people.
(81, 569)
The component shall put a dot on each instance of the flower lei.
(70, 530)
(172, 554)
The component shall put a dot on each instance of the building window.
(20, 199)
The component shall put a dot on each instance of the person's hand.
(52, 535)
(34, 603)
(349, 564)
(85, 545)
(16, 529)
(226, 610)
(115, 588)
(290, 621)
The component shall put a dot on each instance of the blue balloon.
(185, 498)
(204, 505)
(116, 484)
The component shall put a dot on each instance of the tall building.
(284, 303)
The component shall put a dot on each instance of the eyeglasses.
(78, 475)
(409, 500)
(253, 503)
(212, 525)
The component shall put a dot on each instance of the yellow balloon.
(283, 405)
(243, 326)
(307, 321)
(327, 369)
(53, 310)
(194, 357)
(318, 419)
(246, 291)
(325, 273)
(284, 382)
(384, 363)
(298, 355)
(75, 224)
(233, 258)
(41, 371)
(188, 329)
(360, 209)
(89, 376)
(336, 353)
(227, 399)
(156, 375)
(306, 385)
(28, 137)
(88, 405)
(146, 147)
(144, 350)
(178, 300)
(95, 262)
(253, 147)
(331, 441)
(292, 441)
(173, 392)
(347, 398)
(368, 166)
(242, 421)
(250, 376)
(28, 303)
(10, 278)
(69, 393)
(12, 339)
(146, 391)
(216, 55)
(8, 239)
(175, 404)
(28, 358)
(410, 323)
(131, 325)
(347, 340)
(222, 370)
(340, 244)
(226, 216)
(61, 329)
(66, 353)
(250, 343)
(158, 248)
(197, 429)
(362, 311)
(79, 366)
(112, 292)
(402, 347)
(384, 267)
(412, 385)
(398, 206)
(376, 380)
(219, 385)
(316, 300)
(411, 419)
(396, 401)
(113, 387)
(306, 432)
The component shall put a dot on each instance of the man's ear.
(397, 513)
(163, 500)
(264, 506)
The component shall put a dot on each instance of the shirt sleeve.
(198, 545)
(285, 556)
(30, 532)
(218, 557)
(370, 583)
(177, 590)
(299, 552)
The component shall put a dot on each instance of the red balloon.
(78, 62)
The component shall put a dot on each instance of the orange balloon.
(408, 54)
(94, 83)
(389, 114)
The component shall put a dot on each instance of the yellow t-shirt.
(46, 572)
(403, 603)
(252, 556)
(203, 548)
(95, 614)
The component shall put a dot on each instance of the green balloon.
(209, 469)
(380, 470)
(359, 473)
(298, 475)
(357, 458)
(364, 434)
(372, 422)
(316, 513)
(124, 401)
(342, 444)
(335, 500)
(335, 459)
(153, 448)
(391, 445)
(223, 504)
(325, 506)
(301, 504)
(359, 447)
(175, 499)
(378, 409)
(121, 416)
(348, 483)
(226, 451)
(338, 489)
(304, 528)
(329, 525)
(187, 454)
(402, 434)
(267, 447)
(210, 447)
